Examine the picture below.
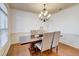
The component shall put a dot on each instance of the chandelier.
(44, 15)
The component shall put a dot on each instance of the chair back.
(47, 41)
(33, 32)
(56, 39)
(36, 33)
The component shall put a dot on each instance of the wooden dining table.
(32, 42)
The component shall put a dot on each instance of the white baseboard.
(4, 50)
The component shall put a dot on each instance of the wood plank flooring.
(23, 50)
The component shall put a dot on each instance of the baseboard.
(4, 50)
(69, 45)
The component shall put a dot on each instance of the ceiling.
(37, 7)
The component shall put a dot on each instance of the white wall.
(67, 21)
(25, 21)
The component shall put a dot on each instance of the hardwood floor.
(23, 50)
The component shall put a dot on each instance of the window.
(3, 25)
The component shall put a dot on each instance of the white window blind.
(3, 25)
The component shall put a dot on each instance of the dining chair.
(56, 40)
(46, 42)
(34, 33)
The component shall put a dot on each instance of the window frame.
(5, 27)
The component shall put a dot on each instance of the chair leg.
(40, 53)
(57, 49)
(51, 50)
(36, 49)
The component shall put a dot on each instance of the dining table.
(32, 43)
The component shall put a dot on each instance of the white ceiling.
(37, 7)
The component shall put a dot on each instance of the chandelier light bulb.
(46, 12)
(48, 15)
(41, 13)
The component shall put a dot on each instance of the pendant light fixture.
(44, 14)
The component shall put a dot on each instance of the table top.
(32, 40)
